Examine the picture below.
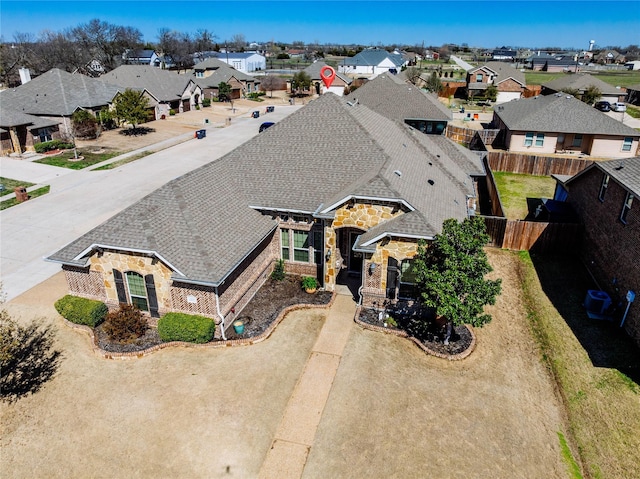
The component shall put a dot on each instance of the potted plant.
(309, 284)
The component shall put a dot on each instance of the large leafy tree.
(224, 91)
(301, 81)
(450, 273)
(131, 107)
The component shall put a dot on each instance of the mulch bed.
(257, 316)
(429, 332)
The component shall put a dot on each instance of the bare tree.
(203, 42)
(14, 56)
(272, 82)
(176, 47)
(238, 42)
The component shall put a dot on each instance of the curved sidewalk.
(294, 437)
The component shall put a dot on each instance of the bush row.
(82, 310)
(186, 327)
(52, 145)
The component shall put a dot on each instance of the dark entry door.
(355, 257)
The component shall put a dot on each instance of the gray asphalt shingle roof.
(625, 171)
(163, 85)
(396, 99)
(504, 72)
(559, 113)
(58, 93)
(373, 57)
(205, 222)
(314, 69)
(580, 82)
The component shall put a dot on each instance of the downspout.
(220, 314)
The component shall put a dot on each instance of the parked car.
(603, 105)
(265, 125)
(618, 106)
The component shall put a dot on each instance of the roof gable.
(162, 84)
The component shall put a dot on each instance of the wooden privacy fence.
(460, 134)
(536, 236)
(534, 164)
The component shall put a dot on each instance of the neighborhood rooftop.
(204, 223)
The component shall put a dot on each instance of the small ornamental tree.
(491, 93)
(224, 91)
(126, 324)
(131, 107)
(450, 274)
(434, 84)
(591, 95)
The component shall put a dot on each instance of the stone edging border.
(396, 332)
(212, 344)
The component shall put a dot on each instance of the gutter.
(220, 314)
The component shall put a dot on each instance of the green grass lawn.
(116, 164)
(32, 194)
(9, 184)
(67, 159)
(515, 188)
(595, 365)
(613, 78)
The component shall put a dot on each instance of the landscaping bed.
(257, 316)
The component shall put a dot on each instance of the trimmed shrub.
(172, 112)
(206, 102)
(89, 312)
(278, 272)
(45, 146)
(186, 327)
(126, 324)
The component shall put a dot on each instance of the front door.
(355, 257)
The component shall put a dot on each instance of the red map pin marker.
(327, 74)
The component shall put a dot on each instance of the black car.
(265, 125)
(603, 106)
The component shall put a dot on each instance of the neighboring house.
(246, 62)
(211, 72)
(509, 81)
(606, 197)
(165, 90)
(19, 132)
(340, 82)
(372, 62)
(547, 62)
(403, 102)
(504, 55)
(141, 57)
(561, 123)
(336, 190)
(608, 57)
(55, 95)
(581, 82)
(633, 65)
(633, 94)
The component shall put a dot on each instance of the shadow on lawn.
(139, 130)
(566, 281)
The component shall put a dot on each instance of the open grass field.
(613, 78)
(515, 188)
(9, 184)
(596, 366)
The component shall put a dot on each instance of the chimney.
(25, 75)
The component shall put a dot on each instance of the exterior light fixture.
(372, 268)
(328, 255)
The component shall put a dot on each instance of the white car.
(618, 106)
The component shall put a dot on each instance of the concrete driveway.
(81, 200)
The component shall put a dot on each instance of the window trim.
(301, 249)
(626, 146)
(539, 138)
(284, 233)
(528, 139)
(626, 207)
(603, 187)
(402, 285)
(577, 140)
(129, 274)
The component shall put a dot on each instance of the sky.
(480, 23)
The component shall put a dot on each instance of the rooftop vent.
(398, 172)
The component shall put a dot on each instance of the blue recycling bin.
(270, 109)
(200, 134)
(256, 114)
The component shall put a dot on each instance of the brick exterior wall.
(85, 283)
(610, 248)
(194, 299)
(510, 85)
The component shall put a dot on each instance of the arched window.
(137, 290)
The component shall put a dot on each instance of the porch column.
(15, 141)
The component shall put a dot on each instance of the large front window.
(137, 290)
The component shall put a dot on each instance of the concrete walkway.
(294, 437)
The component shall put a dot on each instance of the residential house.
(245, 62)
(19, 132)
(581, 82)
(509, 81)
(335, 190)
(504, 55)
(211, 72)
(633, 94)
(403, 102)
(371, 62)
(166, 90)
(608, 57)
(141, 57)
(53, 97)
(340, 82)
(605, 196)
(561, 123)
